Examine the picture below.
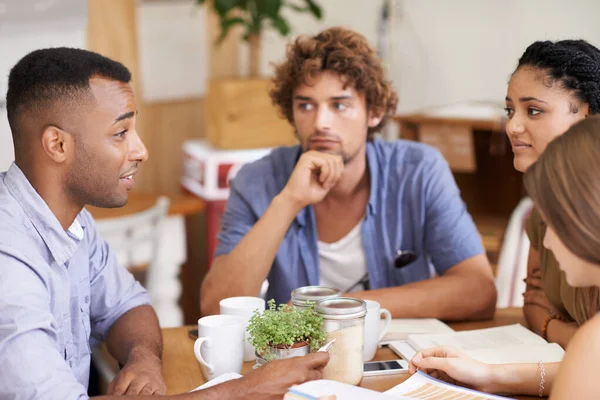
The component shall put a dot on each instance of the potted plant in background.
(254, 16)
(285, 331)
(239, 111)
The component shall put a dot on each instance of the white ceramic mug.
(243, 307)
(373, 333)
(220, 344)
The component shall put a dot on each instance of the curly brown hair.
(342, 51)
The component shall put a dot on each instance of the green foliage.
(285, 325)
(252, 14)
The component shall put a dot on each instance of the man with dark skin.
(73, 115)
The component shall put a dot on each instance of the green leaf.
(315, 9)
(222, 7)
(272, 8)
(281, 25)
(285, 325)
(297, 8)
(226, 24)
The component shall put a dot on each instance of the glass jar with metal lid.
(304, 294)
(344, 321)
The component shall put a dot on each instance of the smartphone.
(389, 367)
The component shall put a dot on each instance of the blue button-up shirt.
(414, 204)
(57, 290)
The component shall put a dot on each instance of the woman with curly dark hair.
(554, 85)
(345, 209)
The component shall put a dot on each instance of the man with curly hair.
(339, 208)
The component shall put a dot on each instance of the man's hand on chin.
(142, 375)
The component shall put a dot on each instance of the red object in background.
(214, 212)
(223, 175)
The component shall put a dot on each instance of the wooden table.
(182, 372)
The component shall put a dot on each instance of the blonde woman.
(555, 85)
(565, 187)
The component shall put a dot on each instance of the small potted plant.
(285, 331)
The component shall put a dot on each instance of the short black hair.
(48, 77)
(573, 63)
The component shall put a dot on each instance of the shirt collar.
(372, 165)
(62, 244)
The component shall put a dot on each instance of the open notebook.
(501, 345)
(418, 386)
(400, 328)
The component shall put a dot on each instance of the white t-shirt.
(343, 263)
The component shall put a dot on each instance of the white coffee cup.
(373, 333)
(243, 307)
(220, 344)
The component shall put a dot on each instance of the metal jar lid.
(313, 293)
(341, 308)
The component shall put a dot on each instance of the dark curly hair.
(342, 51)
(573, 63)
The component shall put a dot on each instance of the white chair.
(135, 239)
(512, 262)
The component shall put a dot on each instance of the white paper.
(172, 46)
(228, 376)
(342, 391)
(505, 344)
(422, 386)
(500, 337)
(547, 353)
(400, 328)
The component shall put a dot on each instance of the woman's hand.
(453, 366)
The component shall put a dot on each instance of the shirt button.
(87, 299)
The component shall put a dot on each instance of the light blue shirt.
(58, 290)
(414, 204)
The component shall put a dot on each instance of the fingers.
(536, 298)
(316, 360)
(313, 375)
(442, 351)
(329, 167)
(533, 283)
(412, 367)
(331, 171)
(433, 363)
(111, 386)
(141, 386)
(119, 385)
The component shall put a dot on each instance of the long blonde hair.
(564, 184)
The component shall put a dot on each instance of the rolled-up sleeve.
(450, 233)
(32, 365)
(113, 290)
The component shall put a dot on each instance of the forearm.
(449, 297)
(232, 390)
(560, 332)
(535, 316)
(557, 331)
(136, 334)
(522, 378)
(251, 260)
